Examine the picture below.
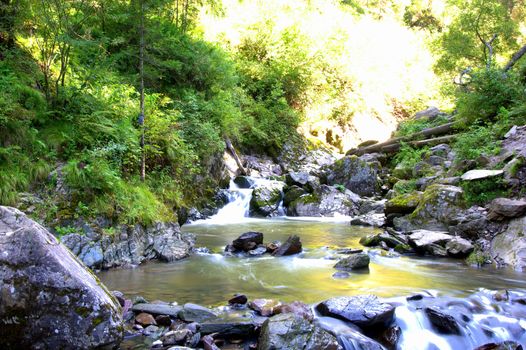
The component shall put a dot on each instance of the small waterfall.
(238, 206)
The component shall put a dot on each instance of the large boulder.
(291, 246)
(266, 198)
(436, 211)
(290, 331)
(131, 245)
(248, 241)
(505, 208)
(365, 311)
(509, 247)
(49, 299)
(325, 201)
(355, 174)
(357, 261)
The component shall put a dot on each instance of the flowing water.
(209, 278)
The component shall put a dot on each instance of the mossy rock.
(404, 203)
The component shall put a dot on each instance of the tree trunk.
(516, 56)
(234, 154)
(141, 75)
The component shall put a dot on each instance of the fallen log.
(378, 147)
(421, 143)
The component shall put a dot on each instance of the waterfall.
(237, 208)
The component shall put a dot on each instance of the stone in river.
(248, 241)
(341, 275)
(195, 313)
(290, 247)
(366, 311)
(163, 320)
(442, 322)
(238, 299)
(353, 262)
(265, 307)
(157, 309)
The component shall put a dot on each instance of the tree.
(481, 30)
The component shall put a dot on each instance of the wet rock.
(348, 251)
(229, 326)
(353, 262)
(195, 313)
(248, 241)
(507, 345)
(509, 247)
(208, 343)
(266, 198)
(243, 181)
(297, 178)
(432, 242)
(355, 174)
(505, 208)
(371, 219)
(442, 322)
(145, 319)
(366, 311)
(341, 275)
(480, 174)
(273, 246)
(459, 247)
(291, 246)
(288, 331)
(297, 308)
(49, 298)
(389, 338)
(157, 309)
(119, 296)
(240, 299)
(265, 307)
(258, 251)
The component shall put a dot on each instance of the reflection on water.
(211, 279)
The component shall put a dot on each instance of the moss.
(404, 186)
(406, 200)
(308, 199)
(370, 240)
(478, 258)
(402, 248)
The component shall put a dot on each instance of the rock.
(163, 320)
(208, 343)
(507, 345)
(258, 251)
(195, 313)
(348, 251)
(49, 299)
(288, 331)
(365, 311)
(459, 247)
(230, 326)
(391, 336)
(436, 211)
(290, 247)
(119, 296)
(356, 175)
(353, 262)
(511, 132)
(509, 247)
(391, 240)
(371, 219)
(145, 319)
(248, 241)
(157, 309)
(340, 275)
(243, 181)
(178, 337)
(292, 193)
(297, 178)
(404, 203)
(266, 198)
(240, 299)
(505, 208)
(425, 241)
(479, 174)
(87, 250)
(443, 323)
(325, 201)
(430, 113)
(273, 246)
(265, 307)
(297, 308)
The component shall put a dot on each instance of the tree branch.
(516, 56)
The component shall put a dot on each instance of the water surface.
(211, 279)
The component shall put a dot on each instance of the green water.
(212, 279)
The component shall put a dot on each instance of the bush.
(480, 192)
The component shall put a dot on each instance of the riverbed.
(209, 278)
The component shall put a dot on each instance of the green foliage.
(478, 258)
(408, 156)
(476, 141)
(404, 186)
(64, 230)
(480, 192)
(487, 93)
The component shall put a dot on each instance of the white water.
(237, 209)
